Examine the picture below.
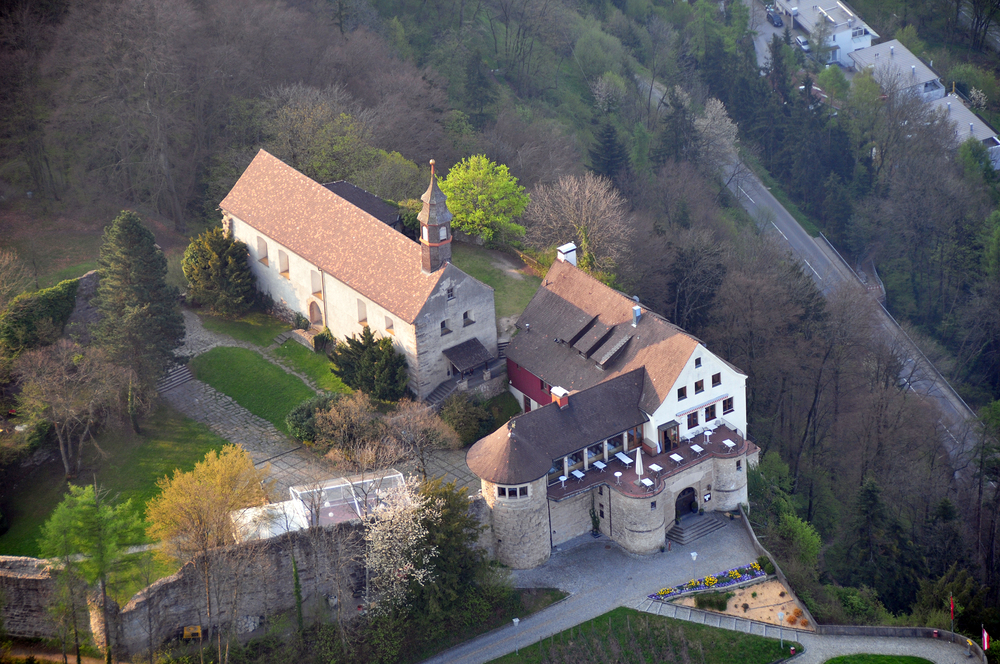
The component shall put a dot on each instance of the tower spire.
(435, 227)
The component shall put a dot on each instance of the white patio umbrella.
(638, 461)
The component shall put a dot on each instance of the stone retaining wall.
(26, 586)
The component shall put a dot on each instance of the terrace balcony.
(712, 444)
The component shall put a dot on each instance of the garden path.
(291, 465)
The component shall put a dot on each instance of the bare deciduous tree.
(587, 209)
(14, 276)
(419, 430)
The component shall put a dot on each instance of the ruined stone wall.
(248, 583)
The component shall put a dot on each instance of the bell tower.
(435, 227)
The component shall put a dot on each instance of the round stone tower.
(730, 483)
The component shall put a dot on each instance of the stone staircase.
(441, 392)
(502, 349)
(178, 375)
(695, 526)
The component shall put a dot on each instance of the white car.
(802, 42)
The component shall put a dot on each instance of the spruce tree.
(217, 268)
(608, 157)
(371, 365)
(140, 325)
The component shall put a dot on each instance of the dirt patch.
(772, 598)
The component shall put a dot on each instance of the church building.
(338, 264)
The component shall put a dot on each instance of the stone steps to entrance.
(441, 392)
(502, 349)
(693, 527)
(178, 375)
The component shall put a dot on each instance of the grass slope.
(256, 328)
(511, 294)
(315, 365)
(259, 386)
(125, 464)
(626, 635)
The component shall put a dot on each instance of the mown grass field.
(255, 327)
(315, 365)
(125, 464)
(259, 386)
(626, 635)
(512, 294)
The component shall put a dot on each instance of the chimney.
(913, 71)
(970, 129)
(892, 51)
(435, 227)
(949, 108)
(636, 315)
(567, 253)
(561, 397)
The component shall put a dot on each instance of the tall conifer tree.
(608, 157)
(140, 325)
(217, 268)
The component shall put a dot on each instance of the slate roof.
(468, 355)
(370, 203)
(335, 235)
(523, 451)
(561, 319)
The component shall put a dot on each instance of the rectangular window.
(739, 465)
(362, 312)
(600, 492)
(602, 511)
(710, 413)
(727, 405)
(522, 491)
(682, 393)
(697, 362)
(317, 284)
(699, 386)
(692, 420)
(262, 250)
(652, 505)
(389, 325)
(501, 492)
(443, 233)
(716, 380)
(450, 293)
(467, 319)
(283, 264)
(423, 232)
(444, 328)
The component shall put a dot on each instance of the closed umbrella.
(638, 461)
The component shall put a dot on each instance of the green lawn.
(257, 328)
(259, 386)
(626, 635)
(127, 465)
(512, 294)
(877, 659)
(313, 364)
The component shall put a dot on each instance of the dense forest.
(159, 105)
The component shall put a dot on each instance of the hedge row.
(31, 317)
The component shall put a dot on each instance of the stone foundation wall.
(571, 517)
(26, 586)
(636, 524)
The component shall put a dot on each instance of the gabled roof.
(576, 332)
(523, 450)
(370, 203)
(335, 235)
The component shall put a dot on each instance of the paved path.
(600, 577)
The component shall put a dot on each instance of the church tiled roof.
(341, 239)
(577, 332)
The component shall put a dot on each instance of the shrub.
(323, 340)
(717, 601)
(766, 564)
(746, 607)
(464, 416)
(33, 319)
(301, 322)
(301, 420)
(371, 365)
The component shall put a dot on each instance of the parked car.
(802, 42)
(774, 20)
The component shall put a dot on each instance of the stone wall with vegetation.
(25, 588)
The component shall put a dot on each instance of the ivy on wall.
(36, 318)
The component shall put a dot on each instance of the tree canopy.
(217, 268)
(140, 325)
(371, 365)
(484, 199)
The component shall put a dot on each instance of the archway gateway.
(687, 503)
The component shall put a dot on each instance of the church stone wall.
(520, 527)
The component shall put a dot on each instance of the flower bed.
(712, 582)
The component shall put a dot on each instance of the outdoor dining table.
(625, 459)
(656, 468)
(578, 475)
(677, 458)
(562, 480)
(729, 444)
(697, 449)
(648, 483)
(600, 465)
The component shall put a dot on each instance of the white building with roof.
(894, 67)
(847, 32)
(968, 125)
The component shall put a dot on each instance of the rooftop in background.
(838, 14)
(370, 203)
(890, 59)
(962, 116)
(329, 501)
